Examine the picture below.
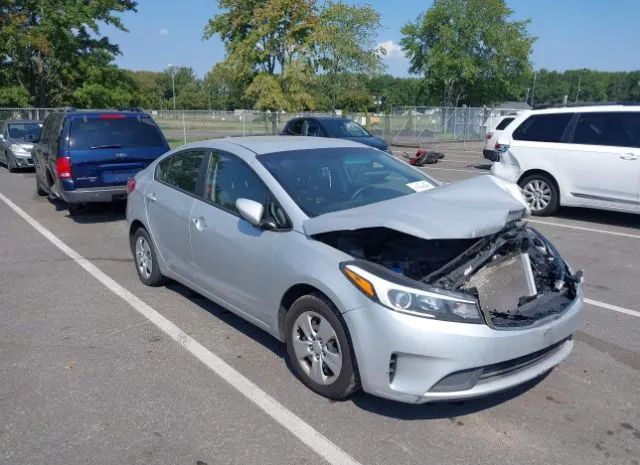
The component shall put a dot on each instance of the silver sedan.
(375, 275)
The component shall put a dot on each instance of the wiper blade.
(107, 146)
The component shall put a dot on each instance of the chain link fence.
(407, 126)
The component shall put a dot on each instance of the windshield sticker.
(420, 186)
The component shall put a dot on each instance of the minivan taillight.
(131, 185)
(63, 167)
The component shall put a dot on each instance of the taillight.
(63, 167)
(112, 116)
(131, 185)
(489, 135)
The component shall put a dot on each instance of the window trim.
(270, 195)
(199, 190)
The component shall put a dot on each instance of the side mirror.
(251, 211)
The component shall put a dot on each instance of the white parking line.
(615, 308)
(298, 427)
(582, 228)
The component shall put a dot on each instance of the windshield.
(95, 133)
(327, 180)
(25, 132)
(344, 128)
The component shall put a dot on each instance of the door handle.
(199, 223)
(151, 197)
(629, 156)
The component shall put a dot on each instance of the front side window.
(543, 128)
(181, 170)
(327, 180)
(114, 131)
(229, 179)
(345, 128)
(618, 129)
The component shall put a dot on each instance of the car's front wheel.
(146, 261)
(541, 194)
(319, 349)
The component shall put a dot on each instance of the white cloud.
(393, 49)
(163, 32)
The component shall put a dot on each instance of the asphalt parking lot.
(85, 377)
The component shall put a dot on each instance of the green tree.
(270, 40)
(344, 46)
(45, 41)
(469, 51)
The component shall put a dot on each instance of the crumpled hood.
(467, 209)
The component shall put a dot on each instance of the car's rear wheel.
(319, 349)
(541, 194)
(145, 258)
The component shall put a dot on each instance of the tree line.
(291, 55)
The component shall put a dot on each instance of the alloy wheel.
(144, 261)
(317, 348)
(538, 194)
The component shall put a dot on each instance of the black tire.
(73, 208)
(348, 381)
(40, 191)
(530, 185)
(155, 277)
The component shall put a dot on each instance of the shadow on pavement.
(602, 217)
(93, 212)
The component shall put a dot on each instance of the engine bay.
(516, 275)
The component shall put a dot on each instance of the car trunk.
(109, 167)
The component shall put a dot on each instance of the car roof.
(272, 144)
(323, 118)
(19, 121)
(585, 109)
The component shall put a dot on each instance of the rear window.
(26, 132)
(504, 123)
(543, 128)
(95, 133)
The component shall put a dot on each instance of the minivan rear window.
(504, 123)
(543, 128)
(96, 133)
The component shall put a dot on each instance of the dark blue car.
(88, 156)
(333, 126)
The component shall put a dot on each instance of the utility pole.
(172, 70)
(209, 92)
(533, 91)
(526, 99)
(578, 91)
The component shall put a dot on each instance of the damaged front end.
(515, 277)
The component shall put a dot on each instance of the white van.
(580, 157)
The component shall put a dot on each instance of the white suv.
(580, 156)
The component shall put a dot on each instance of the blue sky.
(597, 34)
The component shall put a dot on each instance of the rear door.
(602, 161)
(169, 199)
(108, 149)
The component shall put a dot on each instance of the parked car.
(16, 142)
(373, 273)
(88, 156)
(580, 157)
(489, 151)
(335, 127)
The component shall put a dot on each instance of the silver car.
(16, 141)
(375, 275)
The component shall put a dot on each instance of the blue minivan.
(85, 156)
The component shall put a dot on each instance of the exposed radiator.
(501, 284)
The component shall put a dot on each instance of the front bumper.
(22, 160)
(409, 358)
(94, 194)
(506, 171)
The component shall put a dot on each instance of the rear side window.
(543, 128)
(296, 127)
(181, 170)
(618, 129)
(110, 132)
(504, 123)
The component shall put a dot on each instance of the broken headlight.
(407, 296)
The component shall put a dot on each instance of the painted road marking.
(298, 427)
(582, 228)
(615, 308)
